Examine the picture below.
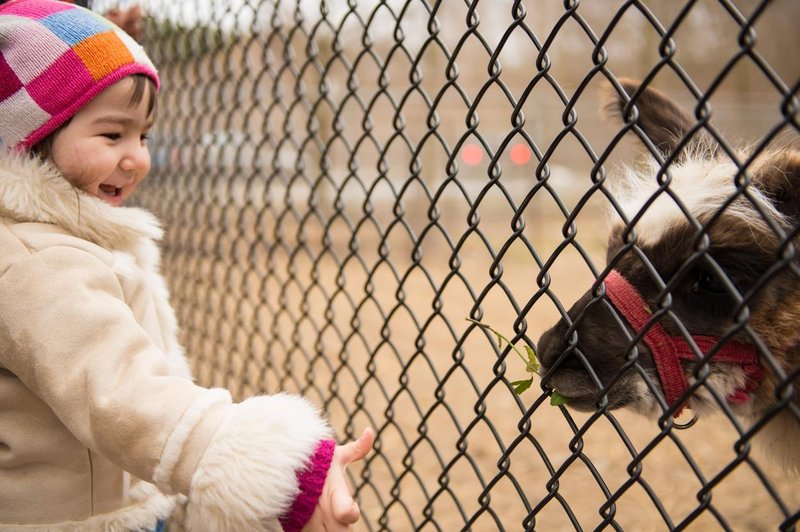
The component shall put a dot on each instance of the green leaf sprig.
(529, 358)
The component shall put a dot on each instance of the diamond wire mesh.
(345, 183)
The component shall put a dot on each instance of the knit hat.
(54, 58)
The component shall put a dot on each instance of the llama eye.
(709, 283)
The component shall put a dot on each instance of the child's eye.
(111, 136)
(145, 137)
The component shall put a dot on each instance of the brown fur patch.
(664, 122)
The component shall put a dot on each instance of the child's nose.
(136, 158)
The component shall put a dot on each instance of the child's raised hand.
(336, 510)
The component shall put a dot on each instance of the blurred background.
(345, 183)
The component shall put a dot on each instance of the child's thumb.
(356, 450)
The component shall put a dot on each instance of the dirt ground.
(374, 329)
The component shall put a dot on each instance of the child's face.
(103, 149)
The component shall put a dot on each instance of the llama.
(701, 270)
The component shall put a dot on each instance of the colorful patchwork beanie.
(54, 58)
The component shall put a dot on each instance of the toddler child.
(101, 426)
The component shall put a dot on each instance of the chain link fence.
(346, 183)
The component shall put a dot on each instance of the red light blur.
(520, 154)
(471, 154)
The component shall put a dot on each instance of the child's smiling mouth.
(110, 190)
(110, 193)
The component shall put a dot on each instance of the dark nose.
(555, 341)
(552, 345)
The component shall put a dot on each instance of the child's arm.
(69, 334)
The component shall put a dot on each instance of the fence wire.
(345, 185)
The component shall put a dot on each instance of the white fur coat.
(95, 387)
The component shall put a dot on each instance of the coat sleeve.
(68, 335)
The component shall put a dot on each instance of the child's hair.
(54, 58)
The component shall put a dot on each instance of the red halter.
(668, 351)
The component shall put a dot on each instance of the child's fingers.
(356, 450)
(364, 443)
(345, 509)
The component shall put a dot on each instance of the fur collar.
(33, 191)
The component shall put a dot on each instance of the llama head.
(709, 253)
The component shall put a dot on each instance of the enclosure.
(345, 184)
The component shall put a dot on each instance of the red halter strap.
(668, 351)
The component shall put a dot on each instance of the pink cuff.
(310, 481)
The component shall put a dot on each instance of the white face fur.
(698, 186)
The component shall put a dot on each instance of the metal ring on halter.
(684, 426)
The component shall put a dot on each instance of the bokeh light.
(520, 154)
(471, 154)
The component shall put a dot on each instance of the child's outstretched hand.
(336, 510)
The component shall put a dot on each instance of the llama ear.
(662, 120)
(777, 174)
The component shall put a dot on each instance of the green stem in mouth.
(529, 359)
